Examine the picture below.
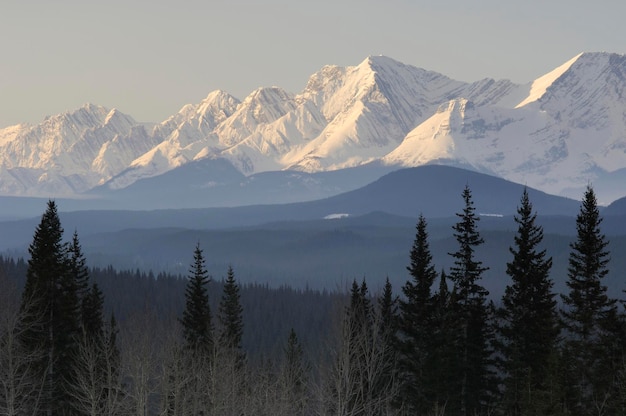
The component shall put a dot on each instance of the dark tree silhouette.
(196, 321)
(416, 325)
(529, 322)
(52, 309)
(472, 314)
(230, 315)
(590, 316)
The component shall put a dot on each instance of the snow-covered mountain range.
(557, 133)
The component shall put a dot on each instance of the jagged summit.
(86, 115)
(556, 133)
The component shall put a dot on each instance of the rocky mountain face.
(558, 133)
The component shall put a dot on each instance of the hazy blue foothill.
(293, 244)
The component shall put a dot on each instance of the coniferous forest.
(76, 340)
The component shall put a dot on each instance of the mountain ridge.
(557, 133)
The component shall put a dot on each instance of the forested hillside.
(93, 341)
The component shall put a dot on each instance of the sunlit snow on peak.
(540, 85)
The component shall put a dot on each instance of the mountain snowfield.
(557, 134)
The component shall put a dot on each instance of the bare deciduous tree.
(140, 364)
(96, 383)
(20, 389)
(358, 383)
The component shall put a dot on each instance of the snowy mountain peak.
(539, 87)
(590, 94)
(381, 64)
(266, 95)
(322, 78)
(433, 140)
(557, 133)
(216, 96)
(217, 107)
(585, 71)
(118, 120)
(218, 99)
(386, 66)
(88, 115)
(264, 105)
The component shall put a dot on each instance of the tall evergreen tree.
(388, 308)
(229, 366)
(69, 328)
(416, 325)
(360, 310)
(92, 314)
(78, 270)
(473, 314)
(230, 315)
(442, 368)
(467, 271)
(94, 383)
(91, 300)
(53, 310)
(529, 321)
(386, 332)
(196, 321)
(590, 316)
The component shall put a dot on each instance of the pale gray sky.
(150, 57)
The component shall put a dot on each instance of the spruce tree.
(416, 325)
(388, 308)
(69, 329)
(442, 368)
(529, 321)
(196, 321)
(359, 317)
(92, 314)
(50, 303)
(91, 300)
(472, 314)
(230, 316)
(229, 365)
(590, 316)
(387, 322)
(78, 266)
